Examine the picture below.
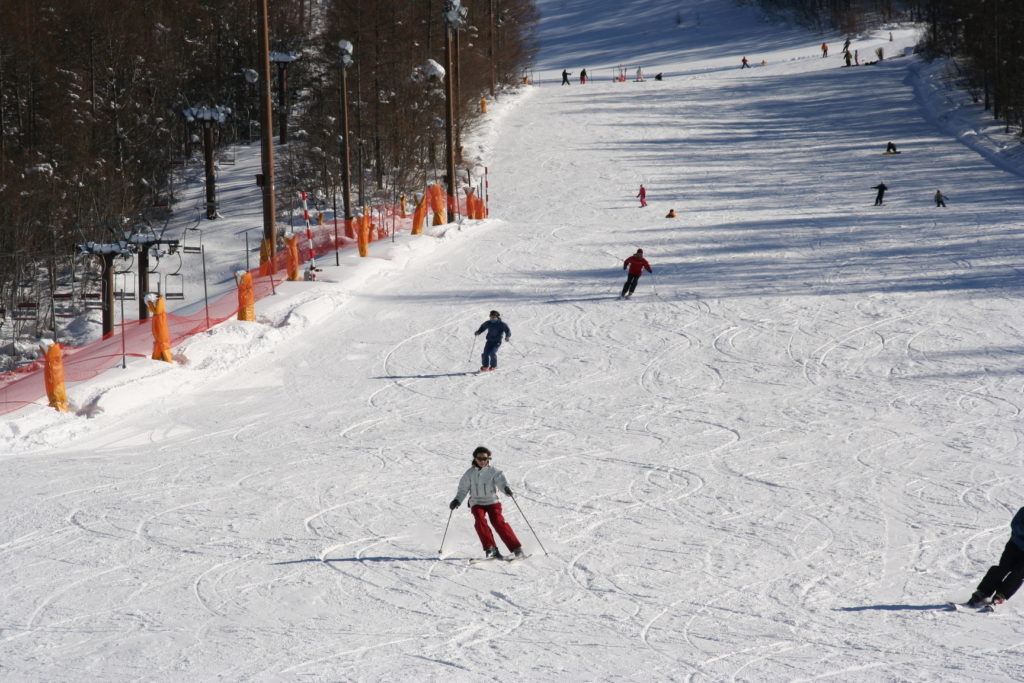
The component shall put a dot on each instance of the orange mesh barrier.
(134, 338)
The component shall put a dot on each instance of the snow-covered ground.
(776, 462)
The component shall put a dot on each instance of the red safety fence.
(25, 385)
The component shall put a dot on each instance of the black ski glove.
(508, 491)
(454, 504)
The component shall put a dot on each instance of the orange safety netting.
(134, 338)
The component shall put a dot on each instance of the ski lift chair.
(91, 289)
(227, 158)
(156, 254)
(25, 310)
(174, 283)
(123, 280)
(192, 240)
(25, 305)
(64, 303)
(93, 301)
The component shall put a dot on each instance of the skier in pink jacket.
(642, 194)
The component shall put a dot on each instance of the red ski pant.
(480, 515)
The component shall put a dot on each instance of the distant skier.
(891, 148)
(846, 45)
(565, 77)
(642, 194)
(824, 49)
(744, 64)
(583, 77)
(881, 187)
(482, 482)
(1001, 581)
(496, 330)
(940, 199)
(848, 57)
(635, 266)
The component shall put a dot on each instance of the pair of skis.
(987, 608)
(505, 558)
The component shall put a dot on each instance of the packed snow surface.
(777, 461)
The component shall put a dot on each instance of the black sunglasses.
(483, 457)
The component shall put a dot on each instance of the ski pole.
(441, 551)
(472, 345)
(528, 524)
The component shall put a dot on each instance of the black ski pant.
(878, 199)
(630, 285)
(1006, 577)
(489, 359)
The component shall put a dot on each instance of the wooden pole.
(267, 140)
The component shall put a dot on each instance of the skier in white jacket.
(482, 482)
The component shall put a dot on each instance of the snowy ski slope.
(778, 461)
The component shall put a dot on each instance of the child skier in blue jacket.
(496, 330)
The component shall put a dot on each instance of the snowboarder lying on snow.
(635, 265)
(482, 482)
(1001, 581)
(496, 329)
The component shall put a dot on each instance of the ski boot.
(977, 600)
(492, 553)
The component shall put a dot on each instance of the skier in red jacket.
(635, 265)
